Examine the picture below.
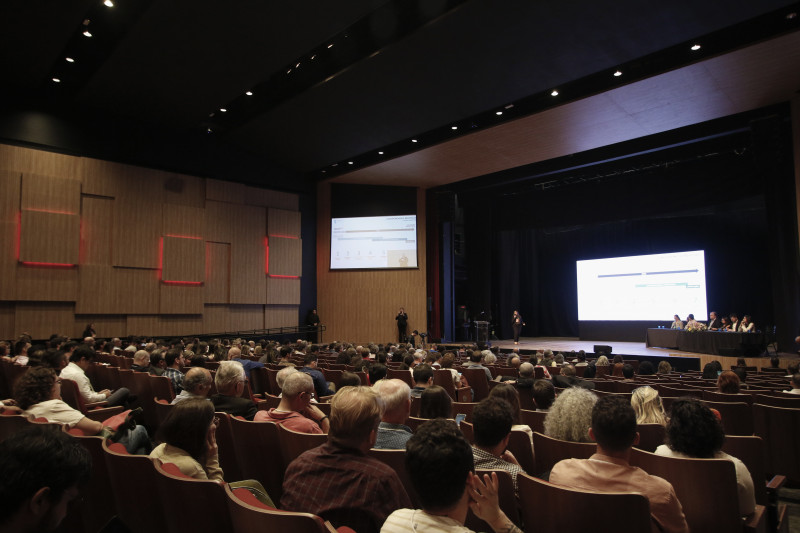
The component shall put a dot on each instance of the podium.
(482, 331)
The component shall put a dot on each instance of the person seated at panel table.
(726, 324)
(747, 325)
(734, 325)
(677, 324)
(691, 323)
(714, 323)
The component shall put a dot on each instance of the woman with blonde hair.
(648, 406)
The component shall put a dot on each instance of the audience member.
(475, 358)
(694, 431)
(196, 385)
(646, 368)
(79, 362)
(282, 374)
(435, 403)
(568, 378)
(440, 464)
(231, 381)
(492, 419)
(648, 406)
(350, 379)
(423, 378)
(728, 382)
(321, 387)
(509, 393)
(392, 431)
(795, 385)
(526, 376)
(571, 416)
(350, 488)
(664, 367)
(613, 428)
(141, 362)
(235, 354)
(41, 471)
(174, 361)
(157, 363)
(376, 373)
(447, 364)
(544, 394)
(296, 412)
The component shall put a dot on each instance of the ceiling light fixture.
(249, 93)
(453, 127)
(297, 65)
(108, 3)
(791, 16)
(330, 45)
(498, 113)
(554, 93)
(223, 110)
(617, 74)
(380, 153)
(349, 162)
(56, 80)
(313, 57)
(69, 60)
(696, 47)
(509, 106)
(87, 33)
(413, 140)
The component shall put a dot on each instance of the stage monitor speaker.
(602, 348)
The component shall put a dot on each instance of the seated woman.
(664, 367)
(38, 393)
(691, 323)
(570, 416)
(189, 441)
(648, 406)
(728, 382)
(676, 324)
(618, 364)
(435, 403)
(510, 394)
(747, 325)
(726, 324)
(694, 432)
(446, 363)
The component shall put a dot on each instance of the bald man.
(196, 384)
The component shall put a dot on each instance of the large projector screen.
(643, 287)
(374, 242)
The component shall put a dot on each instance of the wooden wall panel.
(218, 273)
(279, 316)
(50, 238)
(244, 317)
(183, 260)
(137, 230)
(379, 293)
(285, 257)
(248, 283)
(143, 325)
(225, 191)
(283, 291)
(96, 291)
(104, 325)
(136, 291)
(9, 195)
(215, 318)
(7, 315)
(179, 325)
(250, 224)
(97, 229)
(135, 185)
(47, 284)
(40, 162)
(180, 299)
(56, 194)
(276, 199)
(181, 189)
(42, 319)
(283, 223)
(8, 261)
(219, 221)
(184, 221)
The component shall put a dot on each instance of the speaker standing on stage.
(517, 323)
(312, 321)
(402, 324)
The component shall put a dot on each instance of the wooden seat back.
(213, 515)
(778, 426)
(259, 455)
(548, 451)
(737, 418)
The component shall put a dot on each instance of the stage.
(630, 350)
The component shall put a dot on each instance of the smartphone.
(459, 418)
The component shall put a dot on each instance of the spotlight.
(696, 47)
(380, 153)
(509, 106)
(223, 110)
(617, 74)
(453, 127)
(56, 80)
(330, 45)
(413, 140)
(108, 3)
(554, 93)
(349, 162)
(209, 130)
(69, 60)
(249, 93)
(498, 113)
(87, 33)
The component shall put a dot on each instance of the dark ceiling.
(397, 68)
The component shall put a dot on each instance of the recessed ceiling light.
(696, 47)
(209, 130)
(330, 45)
(380, 153)
(314, 57)
(335, 165)
(289, 71)
(56, 80)
(453, 127)
(69, 60)
(324, 171)
(509, 106)
(413, 140)
(108, 3)
(223, 110)
(791, 16)
(498, 113)
(87, 33)
(211, 114)
(618, 73)
(554, 93)
(249, 93)
(349, 162)
(297, 65)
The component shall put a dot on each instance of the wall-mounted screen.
(643, 287)
(374, 242)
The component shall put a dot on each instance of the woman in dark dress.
(402, 324)
(516, 324)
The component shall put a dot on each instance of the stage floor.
(567, 344)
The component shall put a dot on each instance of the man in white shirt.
(79, 362)
(795, 385)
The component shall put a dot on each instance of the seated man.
(423, 378)
(196, 384)
(40, 474)
(235, 354)
(141, 362)
(568, 379)
(475, 359)
(174, 361)
(157, 363)
(795, 385)
(544, 394)
(281, 376)
(392, 431)
(614, 430)
(526, 372)
(439, 463)
(231, 381)
(338, 480)
(492, 419)
(321, 387)
(80, 361)
(296, 411)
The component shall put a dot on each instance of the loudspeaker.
(602, 348)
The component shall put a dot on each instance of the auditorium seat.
(141, 511)
(463, 408)
(97, 505)
(294, 443)
(549, 508)
(715, 396)
(676, 392)
(533, 419)
(651, 436)
(397, 460)
(11, 422)
(506, 497)
(11, 373)
(791, 401)
(228, 459)
(259, 379)
(415, 422)
(201, 504)
(258, 452)
(272, 375)
(549, 451)
(162, 408)
(477, 380)
(737, 418)
(520, 445)
(707, 491)
(94, 411)
(404, 375)
(778, 426)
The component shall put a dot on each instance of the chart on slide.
(374, 242)
(644, 287)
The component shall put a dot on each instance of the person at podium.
(676, 324)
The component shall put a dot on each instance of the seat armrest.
(756, 522)
(95, 405)
(775, 483)
(99, 415)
